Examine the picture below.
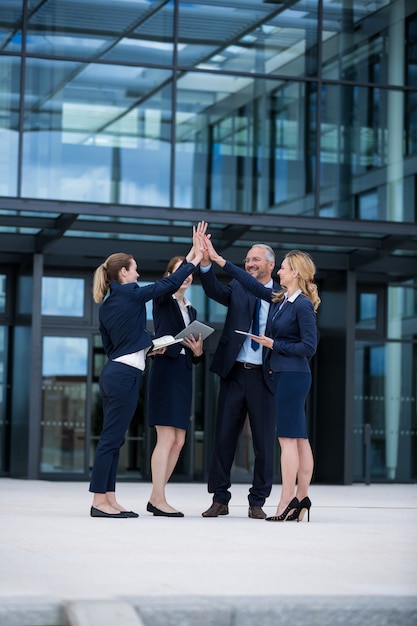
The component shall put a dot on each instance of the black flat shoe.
(158, 513)
(130, 514)
(97, 513)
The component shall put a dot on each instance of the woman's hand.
(209, 249)
(196, 253)
(268, 342)
(196, 345)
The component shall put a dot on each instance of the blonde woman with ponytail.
(292, 339)
(126, 341)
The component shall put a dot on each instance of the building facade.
(291, 123)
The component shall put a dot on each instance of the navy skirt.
(291, 389)
(170, 392)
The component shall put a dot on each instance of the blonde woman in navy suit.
(122, 317)
(292, 337)
(170, 388)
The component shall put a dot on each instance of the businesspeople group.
(291, 339)
(264, 372)
(126, 342)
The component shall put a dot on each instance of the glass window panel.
(152, 40)
(240, 144)
(249, 36)
(24, 294)
(362, 140)
(3, 396)
(91, 29)
(385, 399)
(362, 42)
(97, 133)
(11, 23)
(411, 51)
(368, 206)
(64, 394)
(63, 296)
(9, 123)
(411, 125)
(402, 313)
(3, 292)
(366, 311)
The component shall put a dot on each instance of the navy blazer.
(168, 320)
(240, 305)
(293, 328)
(122, 315)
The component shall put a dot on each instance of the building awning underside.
(82, 235)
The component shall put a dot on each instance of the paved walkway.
(357, 555)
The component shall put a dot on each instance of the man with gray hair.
(246, 387)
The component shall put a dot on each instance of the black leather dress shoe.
(256, 512)
(97, 513)
(216, 509)
(158, 513)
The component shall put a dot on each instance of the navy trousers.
(243, 393)
(119, 388)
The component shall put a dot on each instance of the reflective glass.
(118, 29)
(402, 313)
(411, 126)
(64, 402)
(9, 124)
(363, 41)
(96, 133)
(249, 36)
(240, 144)
(3, 287)
(10, 25)
(363, 173)
(411, 51)
(3, 396)
(385, 399)
(366, 311)
(63, 296)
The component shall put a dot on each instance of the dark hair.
(172, 263)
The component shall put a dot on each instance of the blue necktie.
(255, 324)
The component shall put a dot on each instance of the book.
(163, 342)
(195, 328)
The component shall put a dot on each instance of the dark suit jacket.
(240, 305)
(122, 314)
(293, 328)
(168, 320)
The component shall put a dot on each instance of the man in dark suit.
(245, 384)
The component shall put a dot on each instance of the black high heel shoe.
(294, 504)
(305, 505)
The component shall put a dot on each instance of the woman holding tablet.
(170, 387)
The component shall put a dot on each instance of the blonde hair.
(108, 272)
(302, 263)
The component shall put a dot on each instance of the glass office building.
(287, 122)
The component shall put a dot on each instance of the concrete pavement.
(354, 563)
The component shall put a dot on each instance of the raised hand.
(195, 254)
(213, 254)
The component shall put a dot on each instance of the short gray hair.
(269, 253)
